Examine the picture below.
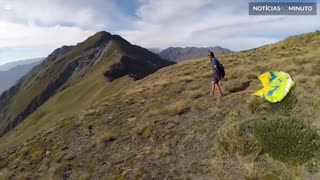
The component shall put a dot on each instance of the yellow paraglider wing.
(276, 86)
(265, 80)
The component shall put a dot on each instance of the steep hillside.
(168, 126)
(76, 75)
(11, 76)
(178, 54)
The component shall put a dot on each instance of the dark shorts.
(216, 78)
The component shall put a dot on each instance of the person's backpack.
(221, 69)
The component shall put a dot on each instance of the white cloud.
(21, 35)
(41, 26)
(22, 41)
(81, 13)
(167, 10)
(166, 23)
(30, 25)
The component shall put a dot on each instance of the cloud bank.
(33, 28)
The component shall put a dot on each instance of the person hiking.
(217, 73)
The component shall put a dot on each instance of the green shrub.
(288, 140)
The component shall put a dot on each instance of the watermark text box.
(282, 8)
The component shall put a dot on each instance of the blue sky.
(34, 28)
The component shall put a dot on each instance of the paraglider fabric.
(276, 86)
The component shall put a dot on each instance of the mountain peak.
(102, 35)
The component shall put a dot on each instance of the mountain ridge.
(57, 72)
(178, 54)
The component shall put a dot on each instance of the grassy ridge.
(84, 92)
(33, 87)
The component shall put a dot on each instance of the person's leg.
(213, 88)
(220, 89)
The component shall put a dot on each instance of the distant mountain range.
(8, 66)
(178, 54)
(11, 72)
(155, 50)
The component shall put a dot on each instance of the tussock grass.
(142, 129)
(194, 87)
(237, 138)
(196, 94)
(36, 152)
(176, 108)
(315, 71)
(207, 74)
(302, 79)
(228, 87)
(3, 163)
(4, 174)
(317, 82)
(154, 106)
(257, 104)
(162, 83)
(59, 171)
(262, 68)
(91, 112)
(135, 91)
(291, 69)
(186, 79)
(299, 60)
(252, 76)
(147, 133)
(235, 73)
(107, 137)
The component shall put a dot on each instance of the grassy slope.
(167, 125)
(33, 87)
(81, 95)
